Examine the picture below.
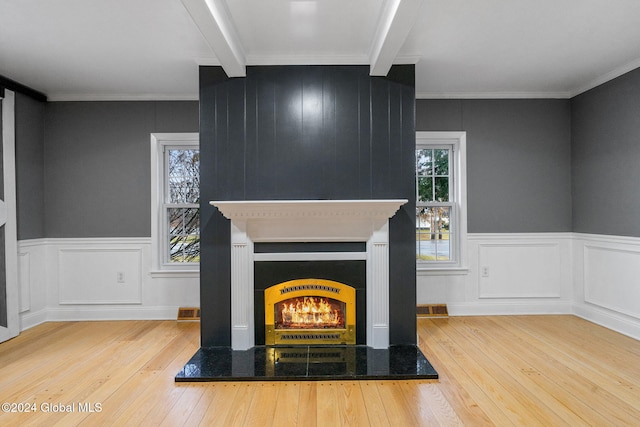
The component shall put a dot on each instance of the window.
(440, 200)
(175, 199)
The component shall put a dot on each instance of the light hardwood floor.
(506, 370)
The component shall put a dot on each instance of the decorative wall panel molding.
(606, 275)
(519, 270)
(509, 273)
(24, 279)
(612, 277)
(100, 276)
(79, 279)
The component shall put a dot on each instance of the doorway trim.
(11, 229)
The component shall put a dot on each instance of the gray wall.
(518, 160)
(606, 158)
(30, 167)
(97, 164)
(526, 160)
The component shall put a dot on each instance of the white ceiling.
(150, 49)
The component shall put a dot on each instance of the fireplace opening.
(310, 311)
(269, 273)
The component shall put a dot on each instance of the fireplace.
(309, 221)
(329, 253)
(310, 311)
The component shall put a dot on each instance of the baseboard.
(29, 320)
(70, 314)
(111, 313)
(509, 308)
(621, 323)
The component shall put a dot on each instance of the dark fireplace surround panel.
(306, 133)
(269, 273)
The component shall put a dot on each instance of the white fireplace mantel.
(309, 221)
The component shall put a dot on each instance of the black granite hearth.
(307, 363)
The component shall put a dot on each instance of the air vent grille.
(189, 313)
(432, 310)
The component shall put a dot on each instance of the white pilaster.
(242, 333)
(378, 287)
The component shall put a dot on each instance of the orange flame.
(310, 312)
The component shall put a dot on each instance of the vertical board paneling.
(236, 140)
(364, 124)
(347, 160)
(265, 164)
(380, 143)
(305, 132)
(289, 136)
(328, 137)
(251, 181)
(215, 234)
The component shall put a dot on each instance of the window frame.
(457, 202)
(160, 267)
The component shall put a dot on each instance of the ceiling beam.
(396, 20)
(6, 83)
(214, 21)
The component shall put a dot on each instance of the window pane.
(423, 229)
(184, 220)
(433, 186)
(425, 189)
(442, 237)
(433, 234)
(442, 189)
(183, 176)
(184, 234)
(424, 162)
(441, 160)
(184, 249)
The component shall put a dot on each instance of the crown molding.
(607, 77)
(493, 95)
(68, 97)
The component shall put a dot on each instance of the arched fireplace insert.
(310, 311)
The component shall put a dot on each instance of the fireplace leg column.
(242, 322)
(378, 288)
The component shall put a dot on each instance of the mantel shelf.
(279, 209)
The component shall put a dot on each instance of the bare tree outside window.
(182, 204)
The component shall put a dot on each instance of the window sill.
(442, 271)
(187, 274)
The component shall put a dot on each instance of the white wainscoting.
(97, 279)
(607, 281)
(87, 275)
(519, 269)
(523, 273)
(24, 279)
(593, 276)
